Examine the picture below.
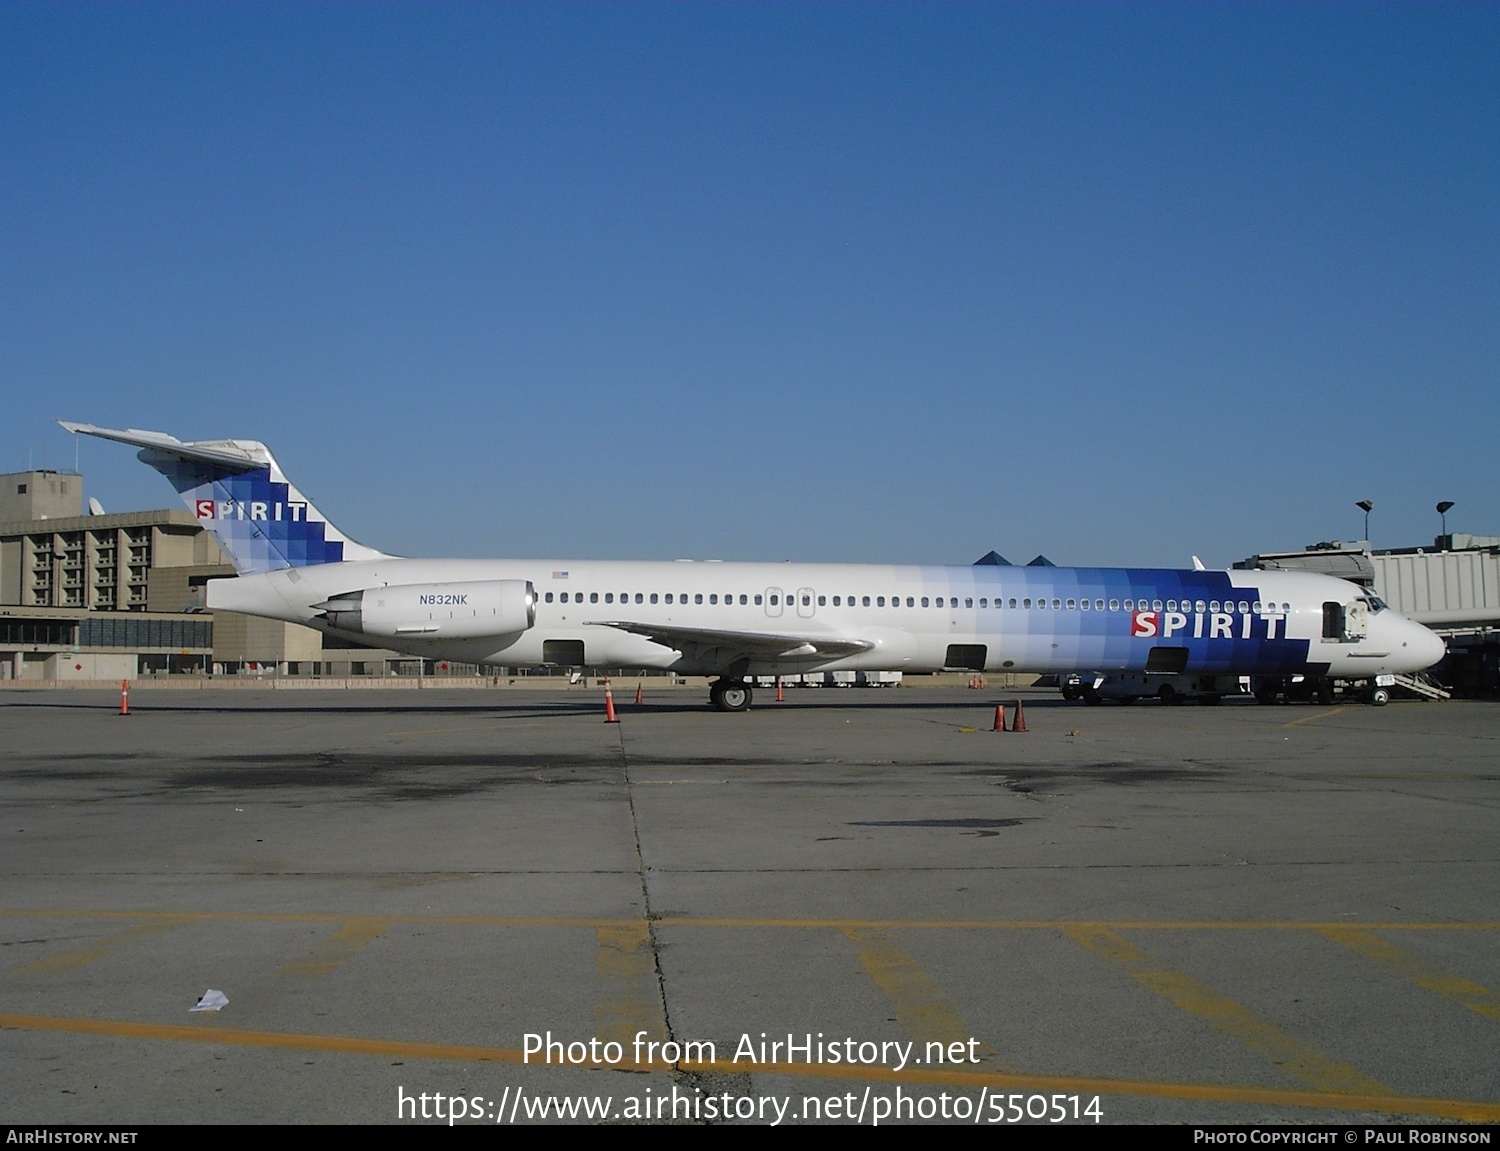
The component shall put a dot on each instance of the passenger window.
(867, 601)
(1244, 607)
(1114, 605)
(1085, 604)
(742, 599)
(807, 601)
(609, 597)
(1200, 605)
(1026, 603)
(698, 598)
(1013, 602)
(758, 598)
(1071, 605)
(549, 597)
(984, 601)
(835, 601)
(880, 601)
(970, 603)
(1057, 605)
(924, 601)
(713, 598)
(1213, 605)
(639, 598)
(823, 599)
(653, 597)
(1156, 605)
(669, 597)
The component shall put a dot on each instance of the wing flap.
(697, 642)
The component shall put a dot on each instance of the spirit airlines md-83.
(733, 621)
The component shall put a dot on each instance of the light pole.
(1368, 506)
(1442, 510)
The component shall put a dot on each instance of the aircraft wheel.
(1168, 694)
(1092, 697)
(1380, 697)
(1266, 695)
(729, 695)
(1323, 693)
(1070, 692)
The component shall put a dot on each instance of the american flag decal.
(559, 575)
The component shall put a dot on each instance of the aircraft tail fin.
(238, 492)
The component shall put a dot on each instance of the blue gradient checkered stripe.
(1103, 639)
(298, 538)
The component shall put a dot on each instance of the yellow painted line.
(340, 947)
(1465, 992)
(1224, 1014)
(725, 921)
(77, 957)
(1310, 718)
(1471, 1111)
(919, 1003)
(629, 997)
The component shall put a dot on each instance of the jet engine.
(471, 610)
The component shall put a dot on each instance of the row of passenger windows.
(1024, 604)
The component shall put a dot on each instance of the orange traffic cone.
(1020, 724)
(999, 717)
(640, 693)
(609, 704)
(124, 697)
(780, 695)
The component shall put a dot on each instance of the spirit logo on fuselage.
(270, 511)
(1199, 625)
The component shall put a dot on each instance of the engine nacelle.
(475, 609)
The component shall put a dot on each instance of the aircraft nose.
(1426, 647)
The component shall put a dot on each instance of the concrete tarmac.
(1233, 914)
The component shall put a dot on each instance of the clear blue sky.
(850, 281)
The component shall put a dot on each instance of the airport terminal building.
(109, 597)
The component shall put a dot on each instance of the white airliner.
(733, 621)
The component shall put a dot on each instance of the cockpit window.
(1375, 603)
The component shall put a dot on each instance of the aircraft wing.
(701, 644)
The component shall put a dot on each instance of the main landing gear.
(729, 695)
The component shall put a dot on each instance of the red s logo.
(1143, 623)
